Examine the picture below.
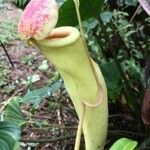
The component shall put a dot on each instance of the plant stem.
(79, 131)
(3, 46)
(135, 13)
(79, 17)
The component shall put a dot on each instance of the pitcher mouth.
(61, 36)
(58, 35)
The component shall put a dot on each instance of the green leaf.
(90, 24)
(21, 3)
(10, 127)
(131, 2)
(34, 78)
(3, 145)
(124, 144)
(88, 9)
(113, 79)
(133, 68)
(13, 112)
(106, 16)
(37, 95)
(131, 98)
(9, 135)
(44, 66)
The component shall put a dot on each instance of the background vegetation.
(34, 102)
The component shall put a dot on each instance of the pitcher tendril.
(100, 94)
(99, 99)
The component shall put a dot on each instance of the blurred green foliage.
(11, 119)
(8, 30)
(22, 3)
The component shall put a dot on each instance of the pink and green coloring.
(64, 47)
